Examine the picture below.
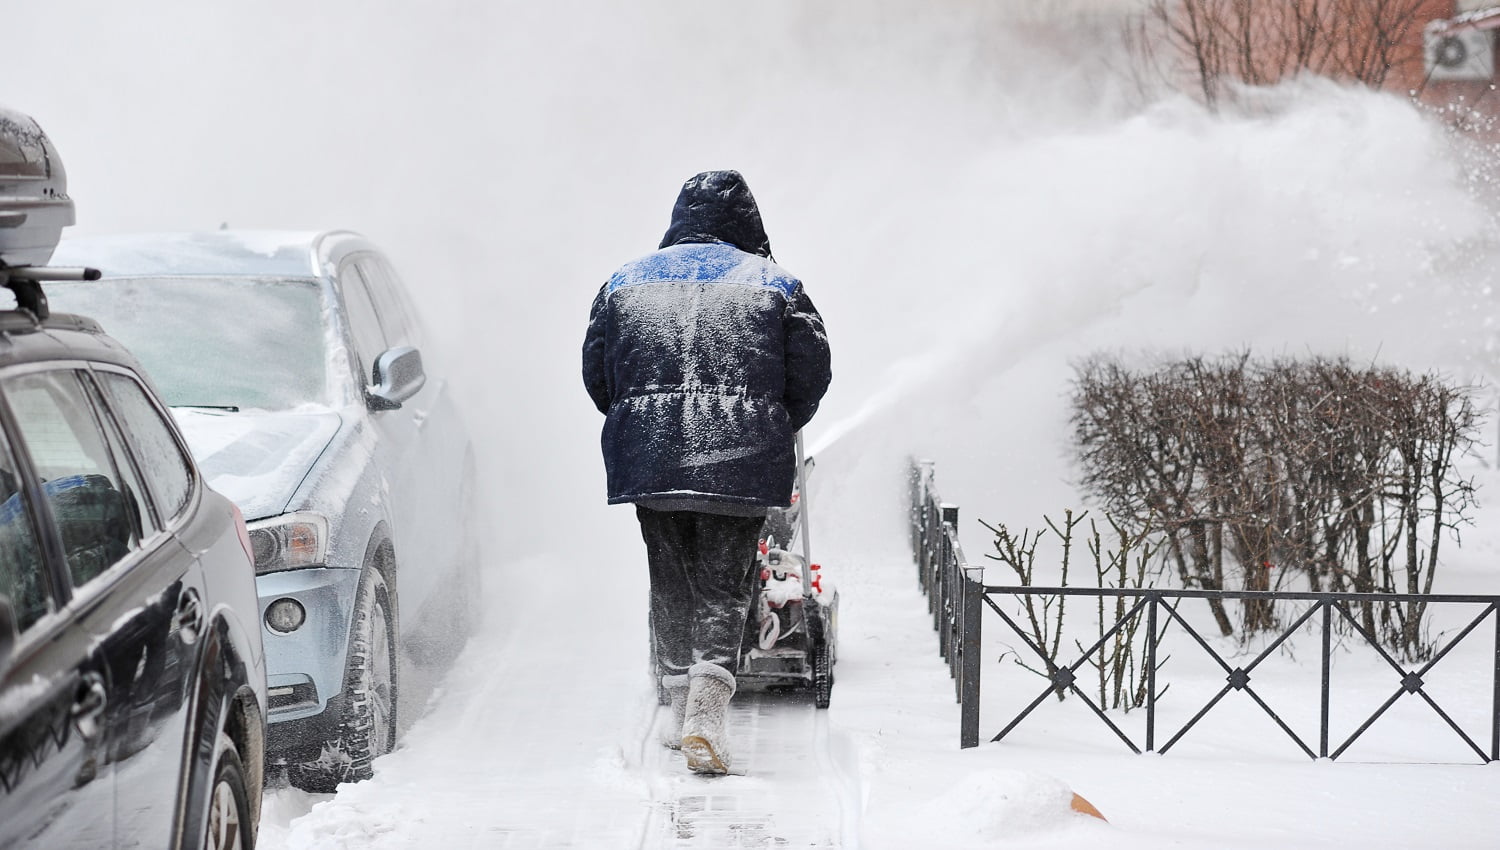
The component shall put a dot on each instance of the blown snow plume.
(1334, 221)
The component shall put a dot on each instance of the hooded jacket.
(706, 357)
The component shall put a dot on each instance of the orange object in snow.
(1085, 807)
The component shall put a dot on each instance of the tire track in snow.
(523, 746)
(543, 735)
(793, 791)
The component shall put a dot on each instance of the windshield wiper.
(226, 407)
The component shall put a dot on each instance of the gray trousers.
(702, 574)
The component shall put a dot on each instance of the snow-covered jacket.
(705, 359)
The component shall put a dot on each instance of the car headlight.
(289, 541)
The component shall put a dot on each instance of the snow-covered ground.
(541, 737)
(970, 215)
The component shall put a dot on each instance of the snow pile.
(355, 827)
(998, 805)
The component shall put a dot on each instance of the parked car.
(132, 674)
(293, 364)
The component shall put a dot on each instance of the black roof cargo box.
(34, 202)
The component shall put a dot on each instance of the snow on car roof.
(221, 252)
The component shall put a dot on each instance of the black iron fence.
(955, 592)
(957, 597)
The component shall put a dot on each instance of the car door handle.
(88, 705)
(187, 620)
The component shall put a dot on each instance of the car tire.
(230, 823)
(367, 724)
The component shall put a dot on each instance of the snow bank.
(998, 805)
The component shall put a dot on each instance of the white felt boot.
(677, 689)
(704, 739)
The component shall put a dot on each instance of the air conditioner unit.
(1464, 55)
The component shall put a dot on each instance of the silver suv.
(293, 364)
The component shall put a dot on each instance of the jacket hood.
(716, 206)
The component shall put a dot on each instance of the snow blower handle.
(807, 578)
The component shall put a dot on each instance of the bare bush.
(1207, 46)
(1045, 616)
(1260, 473)
(1120, 663)
(1124, 559)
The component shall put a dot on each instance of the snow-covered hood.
(716, 206)
(257, 459)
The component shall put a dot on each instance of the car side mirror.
(8, 632)
(398, 377)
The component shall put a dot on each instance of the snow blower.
(790, 635)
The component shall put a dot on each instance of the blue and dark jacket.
(705, 357)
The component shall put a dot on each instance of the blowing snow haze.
(972, 199)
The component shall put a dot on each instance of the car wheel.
(367, 725)
(230, 826)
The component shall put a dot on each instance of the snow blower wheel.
(822, 676)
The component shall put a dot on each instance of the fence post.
(914, 511)
(943, 598)
(921, 477)
(1327, 675)
(969, 653)
(1152, 601)
(1495, 729)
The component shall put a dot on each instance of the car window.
(396, 315)
(137, 500)
(155, 448)
(94, 511)
(22, 570)
(364, 322)
(243, 343)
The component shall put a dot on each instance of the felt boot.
(704, 738)
(677, 689)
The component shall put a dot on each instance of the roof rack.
(26, 283)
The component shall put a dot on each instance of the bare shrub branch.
(1209, 46)
(1259, 475)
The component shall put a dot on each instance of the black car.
(132, 672)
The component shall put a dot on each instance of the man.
(706, 357)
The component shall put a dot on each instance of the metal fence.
(955, 592)
(957, 597)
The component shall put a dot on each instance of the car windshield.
(234, 343)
